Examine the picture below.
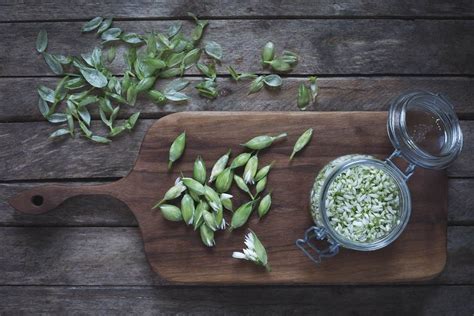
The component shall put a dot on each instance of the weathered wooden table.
(87, 256)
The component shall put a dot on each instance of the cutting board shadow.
(175, 251)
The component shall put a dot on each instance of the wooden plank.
(106, 211)
(325, 46)
(31, 155)
(51, 10)
(340, 133)
(20, 98)
(115, 256)
(386, 300)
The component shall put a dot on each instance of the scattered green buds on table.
(240, 76)
(263, 172)
(254, 252)
(304, 97)
(264, 205)
(219, 166)
(207, 235)
(171, 213)
(199, 170)
(42, 41)
(224, 180)
(313, 85)
(207, 88)
(268, 53)
(187, 209)
(172, 193)
(302, 141)
(251, 169)
(240, 160)
(264, 141)
(242, 214)
(92, 24)
(242, 185)
(177, 149)
(210, 220)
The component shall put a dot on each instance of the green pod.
(219, 166)
(280, 65)
(187, 209)
(268, 53)
(210, 220)
(177, 149)
(263, 141)
(199, 170)
(193, 185)
(224, 180)
(264, 205)
(145, 84)
(241, 215)
(219, 216)
(304, 97)
(212, 198)
(198, 212)
(172, 193)
(240, 160)
(242, 185)
(195, 196)
(263, 172)
(302, 141)
(251, 169)
(226, 200)
(207, 235)
(261, 184)
(156, 96)
(171, 212)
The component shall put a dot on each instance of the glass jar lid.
(425, 130)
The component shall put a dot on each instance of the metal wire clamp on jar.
(425, 132)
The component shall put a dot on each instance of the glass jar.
(425, 131)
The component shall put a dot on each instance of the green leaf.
(169, 73)
(111, 54)
(60, 91)
(145, 84)
(176, 96)
(53, 63)
(304, 97)
(43, 107)
(75, 83)
(198, 30)
(85, 115)
(131, 38)
(272, 80)
(70, 123)
(280, 65)
(42, 41)
(46, 94)
(213, 50)
(156, 96)
(105, 105)
(104, 25)
(114, 114)
(132, 120)
(85, 130)
(94, 77)
(100, 139)
(59, 132)
(104, 118)
(191, 58)
(130, 57)
(207, 88)
(65, 60)
(132, 94)
(112, 34)
(164, 40)
(92, 24)
(175, 59)
(208, 71)
(174, 29)
(176, 85)
(117, 130)
(96, 57)
(57, 118)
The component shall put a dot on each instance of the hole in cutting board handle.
(37, 200)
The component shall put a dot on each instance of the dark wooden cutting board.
(175, 252)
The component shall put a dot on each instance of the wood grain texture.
(31, 155)
(99, 210)
(94, 256)
(177, 255)
(325, 46)
(20, 97)
(409, 300)
(50, 10)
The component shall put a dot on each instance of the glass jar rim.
(405, 204)
(434, 104)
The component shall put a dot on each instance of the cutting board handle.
(45, 198)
